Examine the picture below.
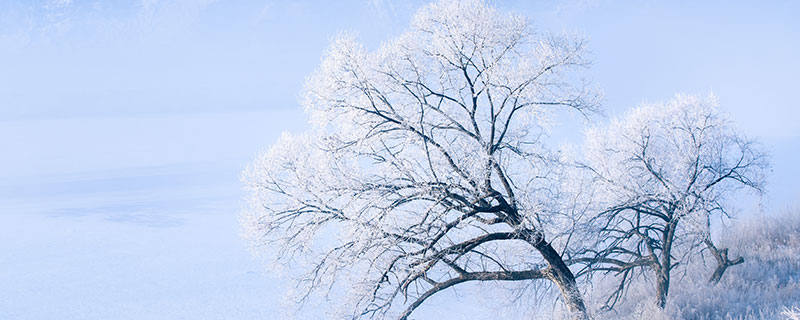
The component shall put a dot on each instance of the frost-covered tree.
(663, 174)
(426, 166)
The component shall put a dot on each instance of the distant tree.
(663, 173)
(426, 166)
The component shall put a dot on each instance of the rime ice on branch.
(426, 166)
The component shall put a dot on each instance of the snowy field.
(132, 218)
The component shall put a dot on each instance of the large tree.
(664, 173)
(426, 166)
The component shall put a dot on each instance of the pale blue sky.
(118, 59)
(124, 125)
(69, 58)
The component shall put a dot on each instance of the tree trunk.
(663, 271)
(720, 270)
(723, 262)
(565, 280)
(662, 288)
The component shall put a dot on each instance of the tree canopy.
(426, 165)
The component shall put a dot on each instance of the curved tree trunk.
(565, 280)
(560, 274)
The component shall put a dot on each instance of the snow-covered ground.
(130, 218)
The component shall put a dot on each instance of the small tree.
(665, 171)
(426, 166)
